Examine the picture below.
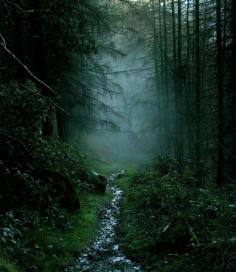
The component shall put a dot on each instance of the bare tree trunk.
(220, 87)
(166, 83)
(198, 170)
(233, 92)
(175, 74)
(180, 127)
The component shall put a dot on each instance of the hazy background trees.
(191, 48)
(182, 50)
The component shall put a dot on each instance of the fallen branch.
(39, 82)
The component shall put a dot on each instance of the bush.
(22, 112)
(171, 225)
(36, 171)
(166, 165)
(42, 180)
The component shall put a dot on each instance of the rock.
(86, 268)
(98, 182)
(116, 247)
(121, 174)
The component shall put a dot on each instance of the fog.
(128, 136)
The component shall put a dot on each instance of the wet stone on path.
(104, 254)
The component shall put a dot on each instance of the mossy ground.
(55, 248)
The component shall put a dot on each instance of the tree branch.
(38, 81)
(47, 98)
(7, 135)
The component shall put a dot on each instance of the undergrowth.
(169, 224)
(49, 196)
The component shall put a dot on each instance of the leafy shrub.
(166, 165)
(172, 225)
(41, 180)
(22, 111)
(38, 172)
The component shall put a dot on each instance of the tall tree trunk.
(198, 170)
(233, 91)
(188, 87)
(220, 87)
(175, 77)
(162, 78)
(158, 81)
(166, 83)
(180, 127)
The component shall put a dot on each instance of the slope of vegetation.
(49, 196)
(170, 224)
(31, 242)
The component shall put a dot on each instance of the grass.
(83, 231)
(50, 248)
(6, 266)
(54, 248)
(125, 181)
(105, 168)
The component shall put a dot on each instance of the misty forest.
(117, 135)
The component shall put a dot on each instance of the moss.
(51, 247)
(6, 265)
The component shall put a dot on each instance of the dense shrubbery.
(28, 172)
(171, 225)
(41, 178)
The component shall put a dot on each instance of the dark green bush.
(22, 111)
(172, 225)
(36, 171)
(166, 165)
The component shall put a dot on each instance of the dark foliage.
(171, 225)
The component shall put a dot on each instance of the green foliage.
(166, 165)
(22, 111)
(171, 225)
(44, 183)
(70, 28)
(36, 171)
(37, 243)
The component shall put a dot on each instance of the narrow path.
(104, 254)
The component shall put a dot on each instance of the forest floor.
(49, 246)
(154, 220)
(53, 247)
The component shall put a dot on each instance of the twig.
(18, 7)
(24, 67)
(7, 135)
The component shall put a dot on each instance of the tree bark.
(220, 86)
(198, 170)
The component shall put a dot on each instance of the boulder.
(97, 181)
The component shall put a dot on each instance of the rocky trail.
(105, 254)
